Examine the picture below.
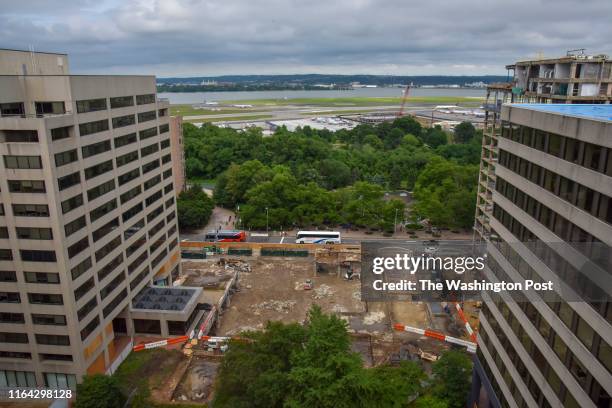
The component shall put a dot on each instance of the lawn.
(189, 110)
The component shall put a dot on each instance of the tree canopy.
(194, 208)
(99, 391)
(311, 177)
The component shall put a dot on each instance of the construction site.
(245, 285)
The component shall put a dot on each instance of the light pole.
(395, 222)
(267, 220)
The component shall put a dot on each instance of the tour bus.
(318, 237)
(225, 236)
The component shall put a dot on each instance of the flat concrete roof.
(601, 112)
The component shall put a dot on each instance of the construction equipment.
(400, 113)
(308, 284)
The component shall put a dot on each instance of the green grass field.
(189, 110)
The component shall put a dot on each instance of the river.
(200, 97)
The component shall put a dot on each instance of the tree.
(194, 208)
(429, 401)
(452, 375)
(434, 137)
(99, 391)
(464, 132)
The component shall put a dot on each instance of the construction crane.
(400, 113)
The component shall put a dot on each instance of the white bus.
(318, 237)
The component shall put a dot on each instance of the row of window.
(98, 104)
(28, 233)
(28, 356)
(29, 255)
(34, 298)
(593, 202)
(594, 157)
(47, 339)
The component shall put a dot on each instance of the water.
(200, 97)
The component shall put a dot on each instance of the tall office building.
(88, 221)
(550, 219)
(574, 78)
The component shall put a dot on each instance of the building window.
(78, 247)
(96, 148)
(156, 228)
(34, 233)
(98, 169)
(145, 99)
(100, 190)
(7, 254)
(68, 181)
(122, 121)
(108, 289)
(61, 133)
(121, 102)
(42, 277)
(136, 263)
(25, 379)
(164, 128)
(72, 203)
(108, 248)
(167, 173)
(162, 112)
(15, 318)
(4, 233)
(152, 182)
(147, 326)
(145, 151)
(74, 226)
(105, 229)
(127, 158)
(15, 354)
(165, 143)
(140, 277)
(91, 105)
(128, 195)
(166, 158)
(66, 157)
(50, 108)
(150, 166)
(121, 296)
(33, 255)
(168, 188)
(12, 109)
(52, 339)
(30, 210)
(26, 186)
(55, 357)
(147, 133)
(136, 246)
(153, 198)
(10, 297)
(91, 326)
(45, 299)
(125, 140)
(146, 116)
(21, 338)
(8, 276)
(153, 214)
(129, 176)
(90, 128)
(132, 212)
(83, 289)
(81, 268)
(102, 210)
(109, 267)
(87, 308)
(134, 229)
(22, 162)
(18, 136)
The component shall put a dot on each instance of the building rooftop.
(163, 298)
(601, 112)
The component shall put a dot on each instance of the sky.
(386, 37)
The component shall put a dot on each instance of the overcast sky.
(215, 37)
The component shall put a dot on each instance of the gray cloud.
(209, 37)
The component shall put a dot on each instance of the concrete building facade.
(550, 219)
(87, 216)
(178, 153)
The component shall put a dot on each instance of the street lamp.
(267, 220)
